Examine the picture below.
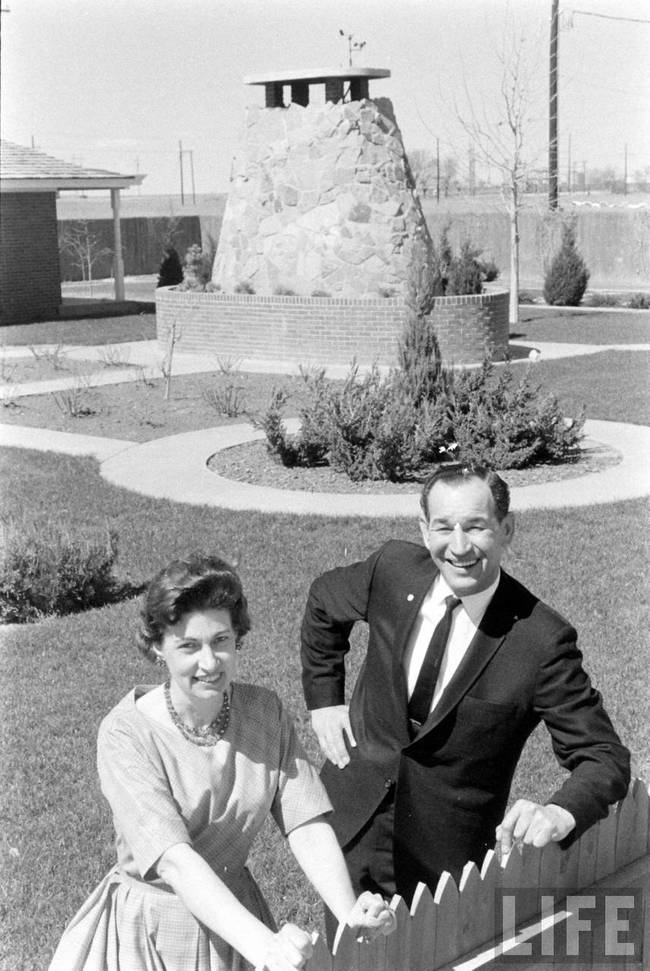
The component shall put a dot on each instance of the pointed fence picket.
(447, 926)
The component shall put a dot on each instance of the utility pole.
(625, 173)
(180, 162)
(438, 171)
(191, 154)
(553, 109)
(569, 168)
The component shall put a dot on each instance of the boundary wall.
(615, 243)
(324, 330)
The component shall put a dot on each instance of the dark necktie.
(420, 701)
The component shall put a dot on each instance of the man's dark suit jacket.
(452, 782)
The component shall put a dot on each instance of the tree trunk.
(513, 309)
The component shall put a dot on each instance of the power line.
(605, 16)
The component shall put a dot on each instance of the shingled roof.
(29, 170)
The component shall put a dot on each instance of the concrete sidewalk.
(142, 359)
(176, 467)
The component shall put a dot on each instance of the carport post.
(118, 262)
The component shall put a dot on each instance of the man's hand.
(330, 726)
(529, 822)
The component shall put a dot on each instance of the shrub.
(640, 301)
(283, 291)
(567, 278)
(311, 445)
(245, 287)
(170, 271)
(489, 269)
(321, 293)
(604, 300)
(45, 571)
(465, 272)
(505, 424)
(197, 268)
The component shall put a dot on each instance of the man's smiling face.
(465, 538)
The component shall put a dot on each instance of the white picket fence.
(456, 926)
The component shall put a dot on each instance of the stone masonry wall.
(29, 259)
(304, 330)
(321, 198)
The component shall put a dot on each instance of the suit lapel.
(416, 587)
(494, 626)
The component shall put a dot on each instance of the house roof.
(25, 169)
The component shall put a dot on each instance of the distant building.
(30, 287)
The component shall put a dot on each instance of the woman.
(191, 769)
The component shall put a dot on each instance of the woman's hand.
(371, 915)
(289, 950)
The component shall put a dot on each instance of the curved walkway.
(175, 467)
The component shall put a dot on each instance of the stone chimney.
(321, 200)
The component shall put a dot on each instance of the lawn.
(87, 331)
(62, 675)
(582, 326)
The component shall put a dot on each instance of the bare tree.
(499, 132)
(83, 246)
(423, 170)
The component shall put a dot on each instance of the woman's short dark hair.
(457, 472)
(197, 582)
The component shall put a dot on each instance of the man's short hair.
(457, 472)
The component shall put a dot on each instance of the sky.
(117, 85)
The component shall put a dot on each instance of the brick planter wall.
(323, 330)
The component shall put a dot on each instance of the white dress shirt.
(465, 621)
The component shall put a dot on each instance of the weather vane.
(353, 45)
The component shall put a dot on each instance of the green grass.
(86, 331)
(581, 326)
(612, 385)
(61, 676)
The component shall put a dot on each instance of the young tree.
(84, 247)
(499, 128)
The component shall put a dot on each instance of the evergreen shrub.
(566, 280)
(197, 268)
(44, 570)
(170, 271)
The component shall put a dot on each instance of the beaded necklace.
(209, 734)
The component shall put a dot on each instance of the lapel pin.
(410, 597)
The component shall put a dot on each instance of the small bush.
(170, 271)
(282, 291)
(465, 272)
(46, 571)
(197, 268)
(226, 397)
(212, 287)
(639, 301)
(489, 269)
(245, 286)
(604, 300)
(321, 293)
(567, 278)
(386, 292)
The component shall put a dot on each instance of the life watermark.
(604, 927)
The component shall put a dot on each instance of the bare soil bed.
(251, 463)
(137, 410)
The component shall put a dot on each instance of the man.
(462, 663)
